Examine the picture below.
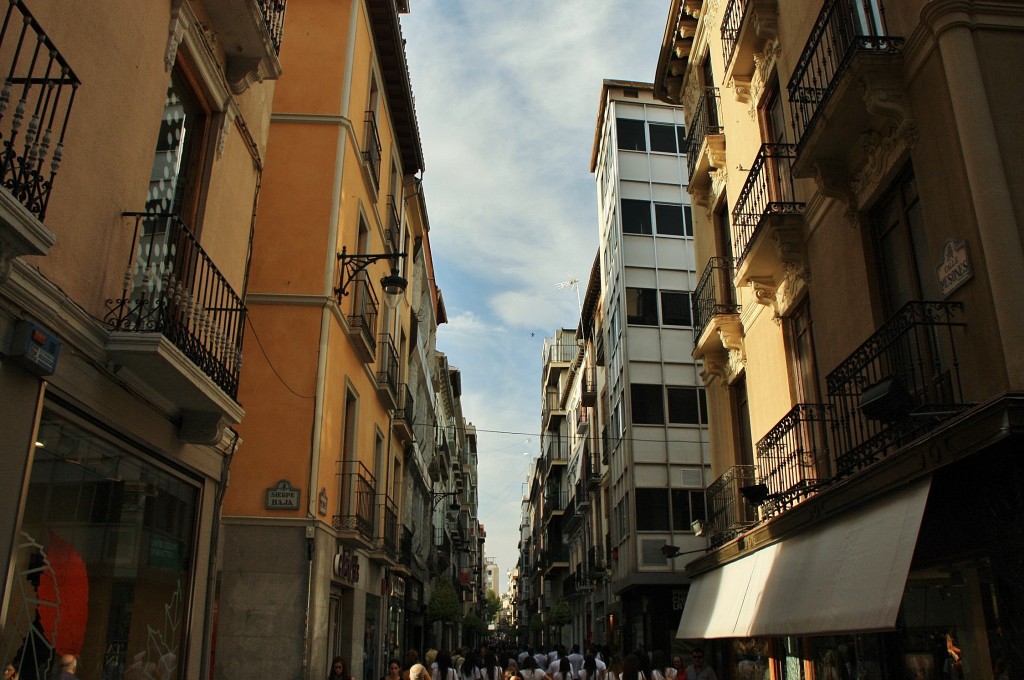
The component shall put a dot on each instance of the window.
(647, 404)
(636, 216)
(687, 506)
(630, 134)
(898, 230)
(669, 218)
(675, 308)
(663, 137)
(687, 406)
(641, 307)
(652, 511)
(681, 138)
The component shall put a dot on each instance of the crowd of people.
(495, 662)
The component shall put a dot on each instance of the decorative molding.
(700, 197)
(765, 19)
(719, 180)
(833, 180)
(714, 367)
(881, 152)
(764, 294)
(227, 121)
(741, 90)
(764, 64)
(6, 257)
(716, 150)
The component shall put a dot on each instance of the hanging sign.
(955, 269)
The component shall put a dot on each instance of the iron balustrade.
(406, 411)
(901, 382)
(387, 364)
(35, 106)
(172, 287)
(387, 535)
(588, 386)
(794, 457)
(273, 18)
(728, 512)
(561, 349)
(557, 449)
(552, 401)
(715, 294)
(732, 21)
(363, 309)
(704, 122)
(767, 191)
(358, 491)
(371, 147)
(843, 28)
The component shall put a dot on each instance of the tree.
(471, 626)
(443, 604)
(558, 616)
(493, 606)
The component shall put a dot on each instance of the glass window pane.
(681, 138)
(683, 406)
(631, 134)
(647, 403)
(669, 217)
(675, 308)
(663, 137)
(652, 512)
(641, 307)
(636, 216)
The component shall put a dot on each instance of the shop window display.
(104, 560)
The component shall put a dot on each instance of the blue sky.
(507, 96)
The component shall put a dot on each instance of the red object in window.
(65, 592)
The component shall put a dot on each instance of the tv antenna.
(572, 282)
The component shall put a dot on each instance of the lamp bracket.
(351, 265)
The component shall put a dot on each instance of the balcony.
(728, 512)
(41, 86)
(588, 387)
(716, 315)
(552, 412)
(794, 458)
(768, 222)
(555, 501)
(406, 556)
(386, 540)
(705, 143)
(847, 80)
(404, 415)
(901, 383)
(178, 325)
(387, 371)
(356, 519)
(747, 27)
(361, 317)
(371, 149)
(249, 31)
(556, 451)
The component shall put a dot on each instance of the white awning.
(847, 575)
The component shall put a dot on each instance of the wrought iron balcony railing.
(358, 490)
(704, 122)
(387, 364)
(172, 287)
(767, 191)
(843, 29)
(900, 383)
(387, 538)
(552, 402)
(561, 349)
(35, 105)
(362, 311)
(371, 147)
(794, 458)
(273, 17)
(732, 20)
(728, 511)
(715, 294)
(557, 449)
(588, 386)
(406, 410)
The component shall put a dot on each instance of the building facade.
(134, 147)
(857, 223)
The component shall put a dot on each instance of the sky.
(507, 95)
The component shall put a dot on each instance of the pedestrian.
(660, 667)
(698, 670)
(529, 671)
(68, 667)
(339, 670)
(412, 657)
(445, 668)
(565, 671)
(10, 672)
(394, 671)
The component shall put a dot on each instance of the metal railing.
(842, 29)
(901, 382)
(387, 538)
(560, 349)
(356, 505)
(552, 402)
(273, 17)
(172, 287)
(794, 457)
(732, 21)
(728, 511)
(387, 364)
(704, 122)
(767, 191)
(38, 92)
(715, 294)
(406, 410)
(363, 310)
(557, 449)
(588, 386)
(371, 147)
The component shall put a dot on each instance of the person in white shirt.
(590, 671)
(660, 668)
(575, 658)
(541, 659)
(565, 671)
(529, 671)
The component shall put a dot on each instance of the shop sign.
(164, 553)
(282, 496)
(346, 567)
(955, 269)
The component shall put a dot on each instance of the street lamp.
(393, 284)
(437, 496)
